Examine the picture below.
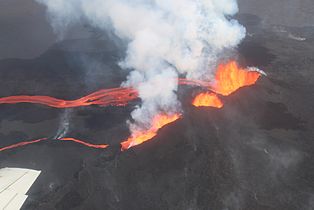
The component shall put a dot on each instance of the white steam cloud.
(165, 38)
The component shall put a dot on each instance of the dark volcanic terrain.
(256, 153)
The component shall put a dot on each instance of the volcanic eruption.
(165, 39)
(158, 104)
(229, 78)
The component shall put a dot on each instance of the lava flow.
(230, 77)
(139, 137)
(96, 146)
(104, 97)
(22, 144)
(207, 100)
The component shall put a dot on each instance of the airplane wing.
(14, 184)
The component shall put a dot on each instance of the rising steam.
(64, 125)
(165, 38)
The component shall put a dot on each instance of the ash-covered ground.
(256, 153)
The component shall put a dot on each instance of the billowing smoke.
(166, 38)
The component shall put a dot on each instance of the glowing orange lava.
(104, 97)
(96, 146)
(207, 100)
(230, 77)
(22, 144)
(141, 136)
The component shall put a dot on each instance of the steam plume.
(64, 125)
(165, 38)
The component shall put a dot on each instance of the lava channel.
(104, 97)
(24, 143)
(95, 146)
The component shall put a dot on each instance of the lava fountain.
(207, 100)
(230, 77)
(141, 136)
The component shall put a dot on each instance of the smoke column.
(165, 38)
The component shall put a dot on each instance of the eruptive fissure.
(229, 78)
(139, 137)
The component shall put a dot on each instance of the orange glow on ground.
(207, 100)
(140, 137)
(230, 77)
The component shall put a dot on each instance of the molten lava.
(207, 100)
(139, 137)
(105, 97)
(230, 77)
(96, 146)
(22, 144)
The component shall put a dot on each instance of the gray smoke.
(165, 38)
